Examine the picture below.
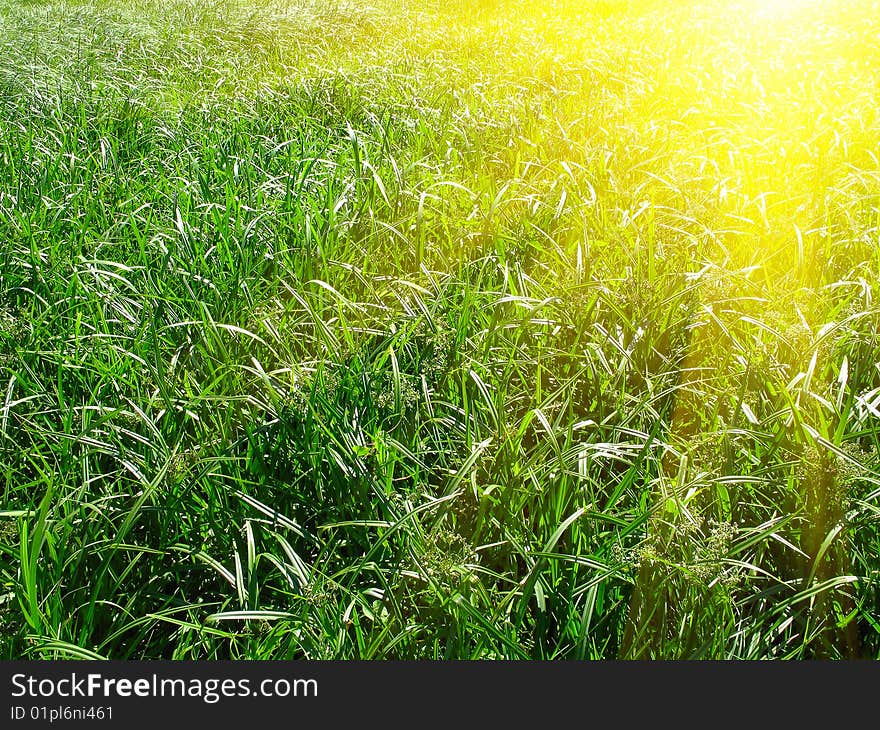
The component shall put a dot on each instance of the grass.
(454, 330)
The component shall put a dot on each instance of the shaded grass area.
(331, 330)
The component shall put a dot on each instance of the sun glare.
(777, 9)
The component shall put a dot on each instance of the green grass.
(455, 330)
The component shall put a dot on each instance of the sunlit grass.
(457, 330)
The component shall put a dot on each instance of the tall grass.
(452, 330)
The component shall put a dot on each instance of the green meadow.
(460, 329)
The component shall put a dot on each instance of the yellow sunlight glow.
(777, 9)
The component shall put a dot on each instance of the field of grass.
(439, 329)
